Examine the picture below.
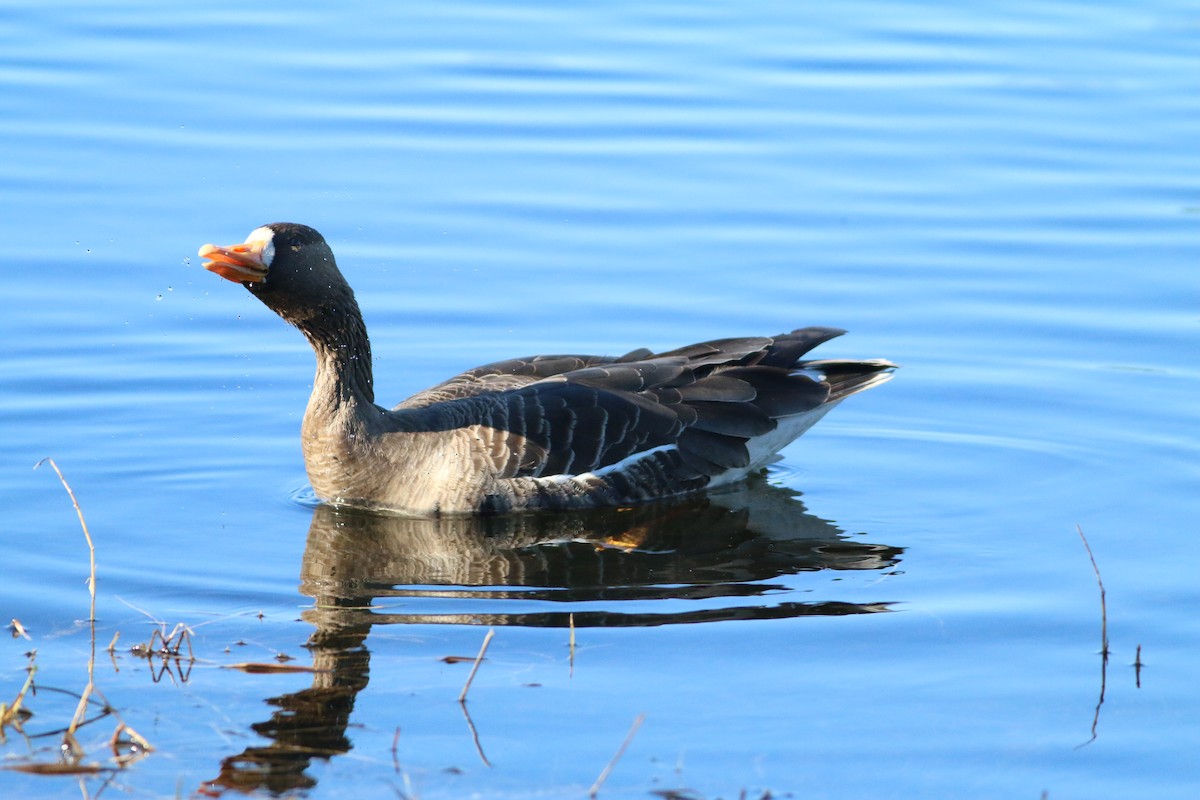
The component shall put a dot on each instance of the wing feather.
(569, 414)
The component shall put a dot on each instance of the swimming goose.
(554, 431)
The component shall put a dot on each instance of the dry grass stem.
(71, 751)
(633, 729)
(81, 709)
(133, 747)
(168, 648)
(1103, 601)
(12, 713)
(86, 534)
(1103, 638)
(462, 697)
(169, 645)
(571, 644)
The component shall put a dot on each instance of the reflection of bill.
(703, 559)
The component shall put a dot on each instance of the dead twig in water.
(100, 709)
(135, 747)
(69, 743)
(86, 534)
(164, 659)
(462, 698)
(161, 643)
(71, 751)
(633, 729)
(571, 645)
(1103, 638)
(1103, 603)
(1137, 666)
(166, 645)
(12, 713)
(395, 750)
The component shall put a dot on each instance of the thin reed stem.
(1103, 601)
(462, 698)
(633, 729)
(86, 534)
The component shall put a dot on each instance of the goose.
(541, 432)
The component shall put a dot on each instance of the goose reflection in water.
(721, 552)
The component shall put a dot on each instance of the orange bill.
(240, 263)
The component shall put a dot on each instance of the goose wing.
(514, 373)
(707, 400)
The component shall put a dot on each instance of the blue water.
(1002, 200)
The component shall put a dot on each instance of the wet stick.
(633, 729)
(71, 751)
(1103, 638)
(571, 644)
(10, 713)
(86, 534)
(462, 698)
(70, 745)
(1103, 604)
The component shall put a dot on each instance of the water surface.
(1001, 200)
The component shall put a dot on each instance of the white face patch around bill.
(267, 237)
